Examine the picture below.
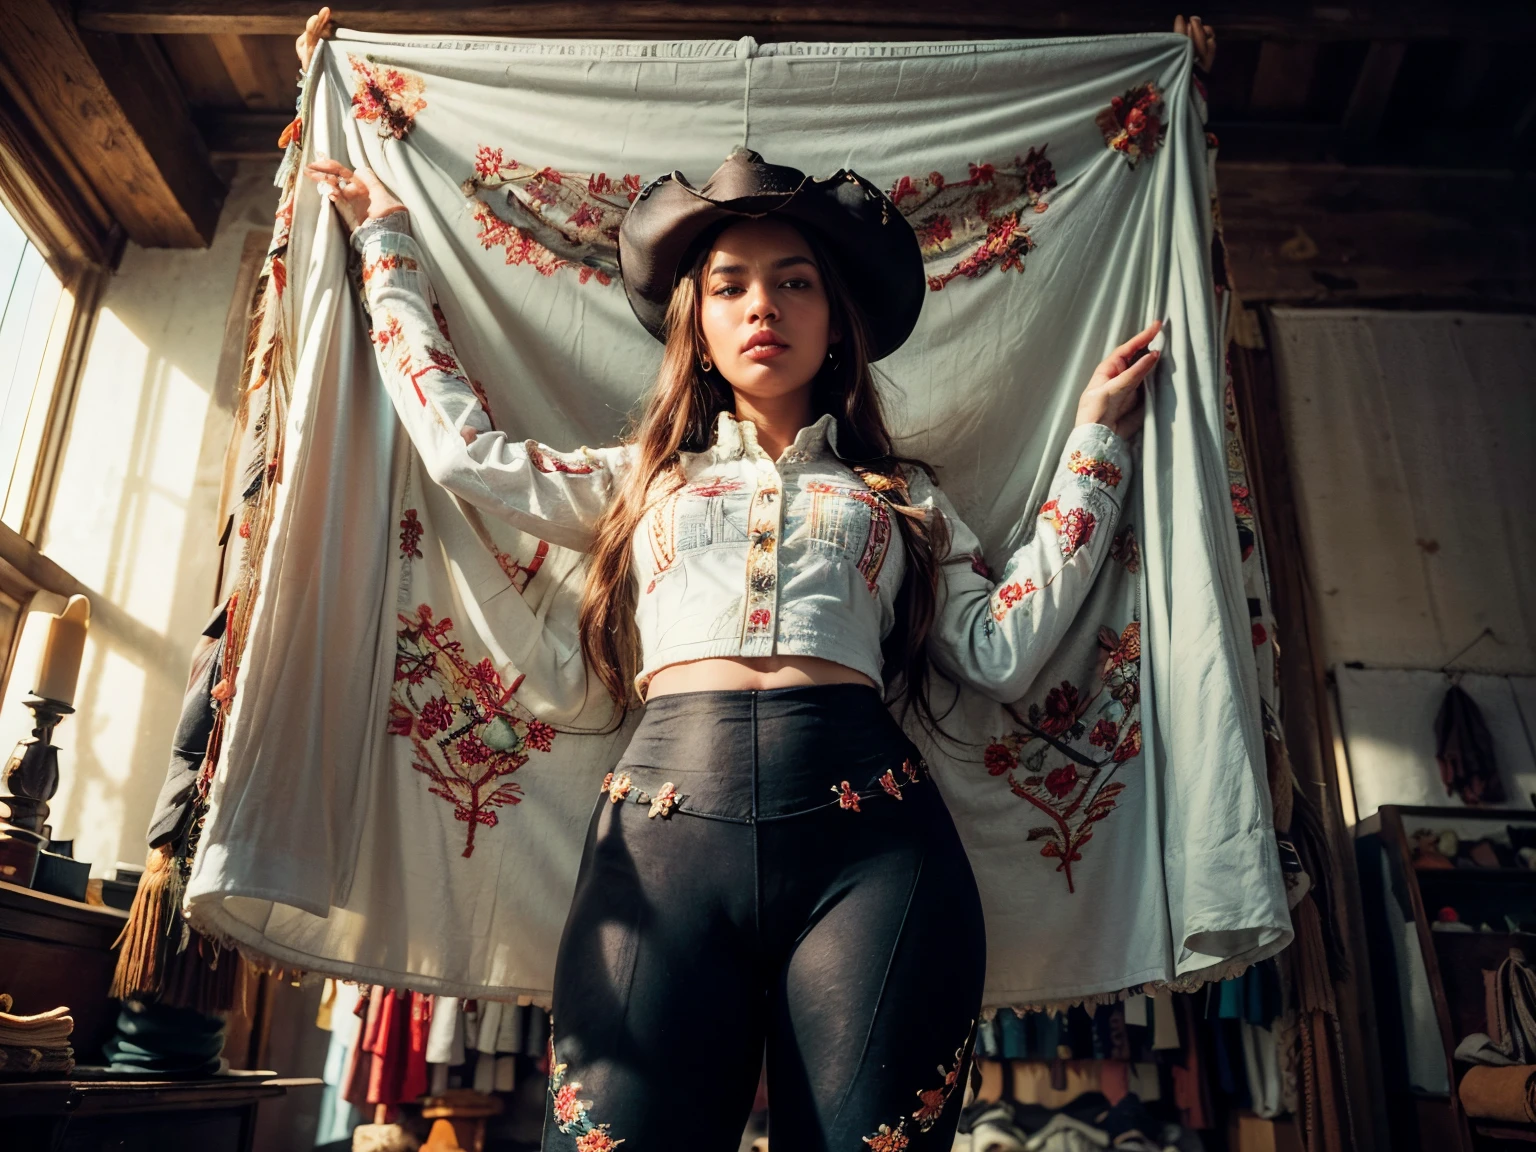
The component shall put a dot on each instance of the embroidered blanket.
(409, 747)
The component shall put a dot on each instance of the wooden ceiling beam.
(248, 74)
(1326, 233)
(244, 135)
(1368, 102)
(110, 111)
(873, 19)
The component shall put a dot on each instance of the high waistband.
(764, 754)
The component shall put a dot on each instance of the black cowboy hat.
(874, 246)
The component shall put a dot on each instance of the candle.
(60, 667)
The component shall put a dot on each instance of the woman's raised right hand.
(317, 28)
(358, 195)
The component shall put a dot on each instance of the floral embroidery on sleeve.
(1074, 528)
(1100, 470)
(847, 798)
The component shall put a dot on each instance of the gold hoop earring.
(706, 363)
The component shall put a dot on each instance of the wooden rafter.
(1329, 233)
(110, 114)
(1368, 103)
(879, 19)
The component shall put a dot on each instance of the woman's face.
(763, 309)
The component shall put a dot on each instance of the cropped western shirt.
(751, 555)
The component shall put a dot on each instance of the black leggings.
(767, 866)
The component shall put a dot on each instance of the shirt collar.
(737, 438)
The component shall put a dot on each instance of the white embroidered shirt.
(750, 555)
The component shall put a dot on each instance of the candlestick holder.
(31, 779)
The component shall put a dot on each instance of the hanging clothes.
(1061, 193)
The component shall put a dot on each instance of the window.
(34, 311)
(44, 322)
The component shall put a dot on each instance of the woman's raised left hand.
(1202, 36)
(358, 195)
(1114, 396)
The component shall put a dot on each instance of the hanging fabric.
(406, 772)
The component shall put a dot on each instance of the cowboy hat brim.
(875, 248)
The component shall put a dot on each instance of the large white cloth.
(1118, 819)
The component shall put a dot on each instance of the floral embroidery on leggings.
(617, 787)
(931, 1103)
(571, 1112)
(889, 1139)
(888, 782)
(664, 800)
(846, 797)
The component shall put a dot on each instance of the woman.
(768, 862)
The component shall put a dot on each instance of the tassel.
(141, 963)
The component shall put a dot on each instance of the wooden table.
(212, 1115)
(55, 951)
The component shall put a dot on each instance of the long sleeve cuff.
(396, 222)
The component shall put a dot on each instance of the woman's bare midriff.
(734, 675)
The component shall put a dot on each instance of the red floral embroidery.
(1062, 780)
(760, 618)
(389, 262)
(410, 534)
(1130, 746)
(663, 802)
(846, 797)
(1104, 734)
(519, 573)
(1063, 706)
(484, 738)
(618, 786)
(579, 217)
(1073, 529)
(1124, 549)
(888, 1139)
(1095, 469)
(539, 735)
(888, 782)
(388, 97)
(999, 758)
(607, 782)
(712, 488)
(573, 1114)
(1078, 789)
(984, 210)
(436, 716)
(931, 1102)
(1133, 123)
(930, 1106)
(570, 463)
(1004, 599)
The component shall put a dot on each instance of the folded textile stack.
(168, 1041)
(1087, 1124)
(35, 1043)
(1500, 1093)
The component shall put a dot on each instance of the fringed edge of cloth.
(163, 956)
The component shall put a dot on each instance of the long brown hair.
(680, 416)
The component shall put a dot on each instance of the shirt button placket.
(760, 615)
